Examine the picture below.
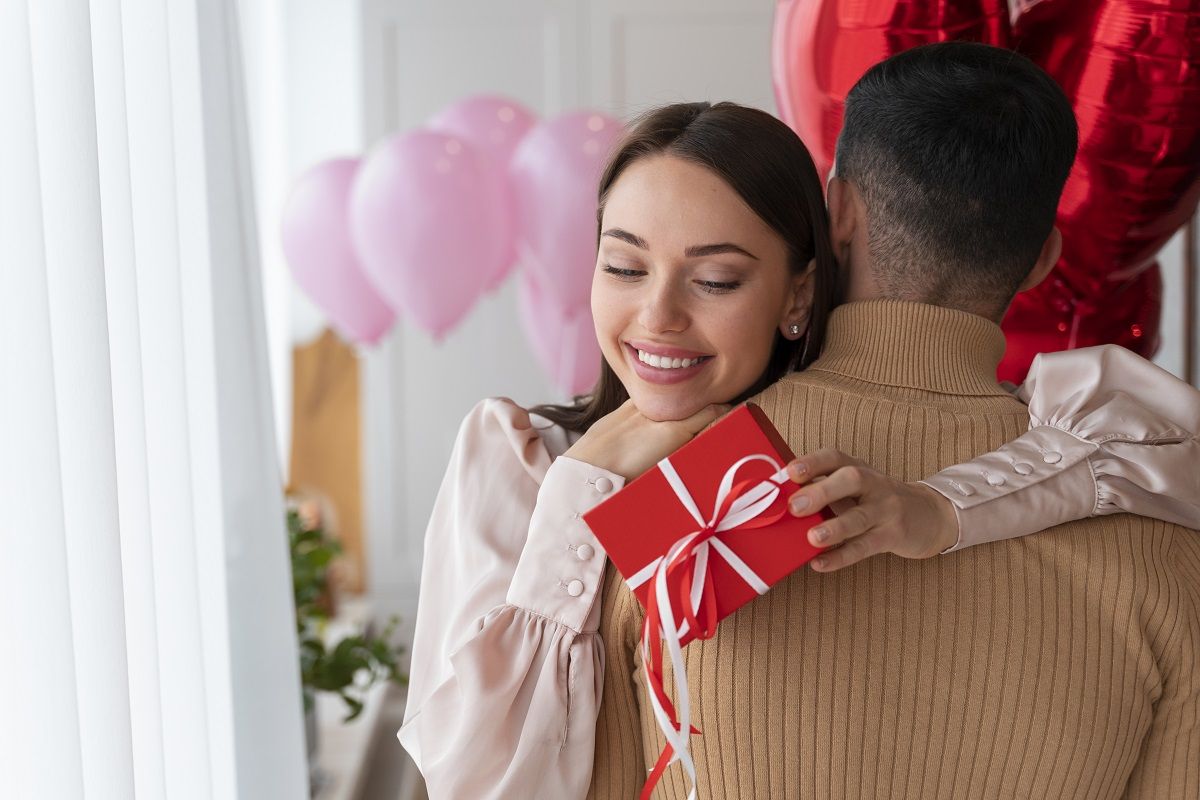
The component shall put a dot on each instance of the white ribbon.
(754, 502)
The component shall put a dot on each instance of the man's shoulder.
(1125, 544)
(797, 389)
(1126, 525)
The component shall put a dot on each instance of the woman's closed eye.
(715, 287)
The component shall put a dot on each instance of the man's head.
(949, 168)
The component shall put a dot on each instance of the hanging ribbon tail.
(685, 570)
(656, 774)
(660, 766)
(703, 625)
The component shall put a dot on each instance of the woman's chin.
(661, 408)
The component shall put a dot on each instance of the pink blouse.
(507, 664)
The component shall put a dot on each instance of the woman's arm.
(507, 665)
(1108, 432)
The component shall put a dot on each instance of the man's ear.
(843, 214)
(1051, 250)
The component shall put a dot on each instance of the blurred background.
(371, 426)
(237, 315)
(337, 78)
(340, 79)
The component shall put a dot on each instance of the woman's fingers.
(842, 484)
(819, 463)
(855, 521)
(875, 513)
(706, 417)
(849, 553)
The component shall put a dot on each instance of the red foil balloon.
(1132, 71)
(1054, 317)
(820, 48)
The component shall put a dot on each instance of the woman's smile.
(664, 365)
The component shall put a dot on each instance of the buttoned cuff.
(1040, 480)
(561, 567)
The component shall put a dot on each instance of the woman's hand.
(627, 443)
(875, 513)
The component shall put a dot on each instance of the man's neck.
(862, 284)
(914, 345)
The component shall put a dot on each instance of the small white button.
(1052, 457)
(575, 588)
(585, 552)
(603, 485)
(1021, 468)
(965, 489)
(995, 479)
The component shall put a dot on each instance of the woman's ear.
(796, 316)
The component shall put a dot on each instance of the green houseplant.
(333, 667)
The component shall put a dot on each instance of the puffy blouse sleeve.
(507, 665)
(1108, 432)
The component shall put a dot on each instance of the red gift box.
(697, 537)
(640, 523)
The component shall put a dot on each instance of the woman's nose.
(664, 311)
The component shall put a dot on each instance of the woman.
(507, 665)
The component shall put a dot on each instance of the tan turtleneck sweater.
(1060, 665)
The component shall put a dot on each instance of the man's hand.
(875, 513)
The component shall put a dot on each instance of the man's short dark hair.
(960, 151)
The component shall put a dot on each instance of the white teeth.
(666, 363)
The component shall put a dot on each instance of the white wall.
(303, 61)
(1171, 353)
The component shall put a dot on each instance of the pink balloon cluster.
(431, 219)
(316, 243)
(555, 174)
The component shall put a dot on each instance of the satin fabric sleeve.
(1108, 432)
(507, 665)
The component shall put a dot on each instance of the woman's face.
(690, 288)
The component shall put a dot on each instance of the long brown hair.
(771, 169)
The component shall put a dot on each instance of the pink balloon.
(316, 244)
(556, 172)
(563, 343)
(425, 221)
(494, 126)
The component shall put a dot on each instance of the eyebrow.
(695, 251)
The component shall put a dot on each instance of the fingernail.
(796, 470)
(799, 504)
(819, 563)
(819, 535)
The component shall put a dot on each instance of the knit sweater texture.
(1065, 664)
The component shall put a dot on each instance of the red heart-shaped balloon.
(1131, 69)
(1132, 72)
(820, 48)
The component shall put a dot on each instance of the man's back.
(1063, 664)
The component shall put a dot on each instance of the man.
(1064, 664)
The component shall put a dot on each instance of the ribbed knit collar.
(913, 345)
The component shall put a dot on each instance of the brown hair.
(770, 168)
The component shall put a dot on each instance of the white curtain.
(147, 638)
